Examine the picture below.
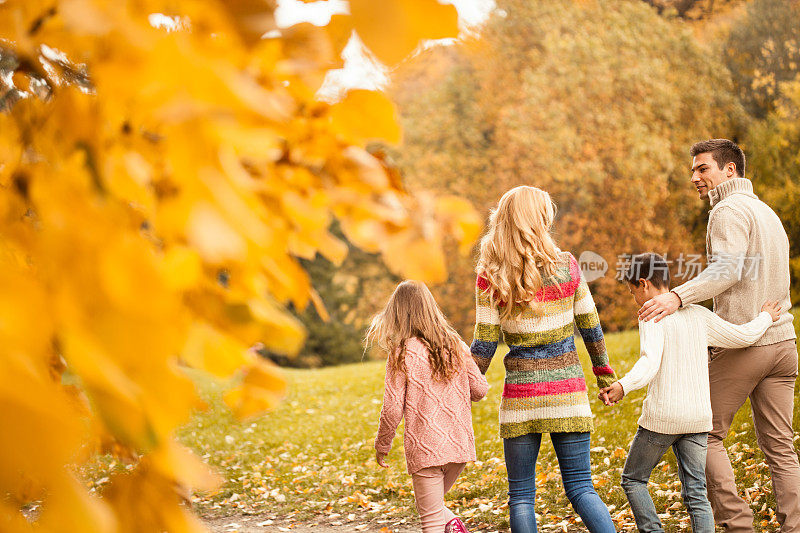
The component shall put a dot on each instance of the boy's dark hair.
(723, 152)
(649, 266)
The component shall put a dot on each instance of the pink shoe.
(455, 526)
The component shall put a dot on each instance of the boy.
(677, 409)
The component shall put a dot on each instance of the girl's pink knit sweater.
(438, 416)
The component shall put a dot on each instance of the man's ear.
(730, 169)
(642, 283)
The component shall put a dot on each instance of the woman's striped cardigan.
(545, 390)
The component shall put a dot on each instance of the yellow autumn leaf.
(283, 333)
(261, 388)
(70, 508)
(339, 29)
(177, 461)
(181, 268)
(460, 219)
(251, 18)
(415, 258)
(210, 350)
(146, 500)
(312, 53)
(365, 115)
(392, 29)
(213, 236)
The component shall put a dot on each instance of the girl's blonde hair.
(412, 312)
(518, 253)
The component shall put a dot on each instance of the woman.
(533, 292)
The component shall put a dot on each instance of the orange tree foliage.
(774, 166)
(763, 51)
(156, 191)
(597, 102)
(763, 54)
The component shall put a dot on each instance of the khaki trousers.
(765, 374)
(430, 486)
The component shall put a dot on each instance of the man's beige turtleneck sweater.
(748, 254)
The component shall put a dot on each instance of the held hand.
(613, 393)
(774, 310)
(381, 459)
(603, 397)
(660, 306)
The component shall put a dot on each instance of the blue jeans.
(647, 449)
(572, 451)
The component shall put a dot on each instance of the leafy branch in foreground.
(156, 191)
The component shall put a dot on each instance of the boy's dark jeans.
(647, 449)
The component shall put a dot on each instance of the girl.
(430, 380)
(532, 292)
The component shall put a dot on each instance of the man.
(748, 264)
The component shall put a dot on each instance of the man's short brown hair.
(723, 152)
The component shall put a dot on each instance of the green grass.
(313, 454)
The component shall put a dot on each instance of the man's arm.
(729, 234)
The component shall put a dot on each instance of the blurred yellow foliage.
(157, 183)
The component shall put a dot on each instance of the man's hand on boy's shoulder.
(660, 306)
(611, 394)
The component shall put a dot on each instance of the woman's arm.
(588, 322)
(394, 399)
(487, 326)
(651, 349)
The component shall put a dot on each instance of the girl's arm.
(487, 326)
(588, 322)
(478, 386)
(651, 346)
(394, 399)
(723, 334)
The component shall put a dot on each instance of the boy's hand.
(612, 394)
(773, 308)
(381, 459)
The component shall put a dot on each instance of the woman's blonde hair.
(518, 253)
(412, 312)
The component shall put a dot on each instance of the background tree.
(774, 167)
(763, 51)
(598, 104)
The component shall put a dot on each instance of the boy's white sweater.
(674, 362)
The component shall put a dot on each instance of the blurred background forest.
(596, 102)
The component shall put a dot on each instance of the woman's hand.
(773, 308)
(381, 459)
(612, 394)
